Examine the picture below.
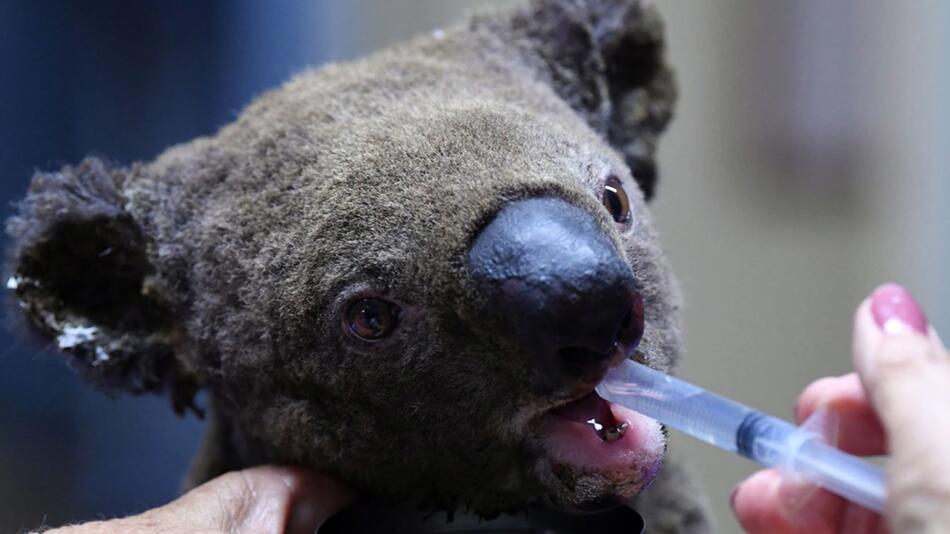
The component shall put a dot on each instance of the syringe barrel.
(798, 451)
(740, 429)
(675, 403)
(842, 474)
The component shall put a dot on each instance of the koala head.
(410, 270)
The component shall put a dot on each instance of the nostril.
(631, 326)
(579, 355)
(577, 360)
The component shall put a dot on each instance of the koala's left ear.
(606, 59)
(83, 280)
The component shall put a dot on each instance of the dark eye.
(372, 319)
(615, 200)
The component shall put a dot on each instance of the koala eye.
(372, 319)
(615, 199)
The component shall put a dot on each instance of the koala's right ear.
(606, 59)
(81, 273)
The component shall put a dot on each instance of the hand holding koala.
(260, 499)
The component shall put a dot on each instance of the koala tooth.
(615, 433)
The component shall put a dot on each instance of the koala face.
(410, 270)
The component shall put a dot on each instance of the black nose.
(556, 285)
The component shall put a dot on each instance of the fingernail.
(304, 519)
(732, 497)
(895, 311)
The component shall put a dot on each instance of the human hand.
(898, 402)
(265, 499)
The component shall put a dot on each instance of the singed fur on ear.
(80, 271)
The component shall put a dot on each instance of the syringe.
(736, 428)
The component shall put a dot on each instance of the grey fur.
(366, 177)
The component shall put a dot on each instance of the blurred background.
(808, 162)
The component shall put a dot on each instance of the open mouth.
(596, 413)
(592, 435)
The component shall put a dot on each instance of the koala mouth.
(593, 436)
(596, 413)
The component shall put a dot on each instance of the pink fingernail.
(895, 311)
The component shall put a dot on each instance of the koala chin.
(409, 270)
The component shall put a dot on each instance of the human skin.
(902, 367)
(262, 499)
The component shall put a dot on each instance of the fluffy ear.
(83, 280)
(605, 58)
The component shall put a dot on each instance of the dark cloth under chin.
(368, 516)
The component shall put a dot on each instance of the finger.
(768, 502)
(288, 498)
(316, 498)
(762, 505)
(859, 429)
(259, 499)
(756, 504)
(906, 373)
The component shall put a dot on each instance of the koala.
(410, 271)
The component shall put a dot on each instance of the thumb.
(906, 373)
(902, 364)
(318, 497)
(259, 499)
